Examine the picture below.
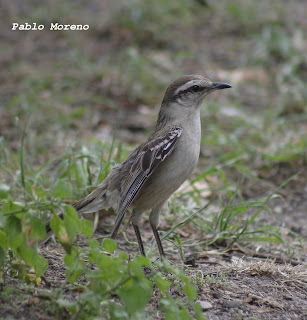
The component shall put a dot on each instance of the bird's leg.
(154, 221)
(158, 241)
(135, 219)
(139, 238)
(141, 247)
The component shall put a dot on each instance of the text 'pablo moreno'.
(54, 26)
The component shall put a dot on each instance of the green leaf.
(136, 270)
(135, 294)
(190, 291)
(87, 228)
(123, 256)
(72, 222)
(109, 245)
(75, 266)
(161, 283)
(184, 314)
(27, 254)
(62, 189)
(70, 258)
(93, 243)
(143, 261)
(13, 230)
(4, 190)
(206, 173)
(41, 193)
(3, 239)
(65, 304)
(66, 230)
(2, 220)
(177, 240)
(2, 257)
(111, 268)
(199, 312)
(40, 265)
(8, 206)
(117, 312)
(170, 308)
(59, 229)
(34, 228)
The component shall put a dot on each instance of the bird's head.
(184, 96)
(190, 90)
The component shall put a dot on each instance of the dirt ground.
(248, 281)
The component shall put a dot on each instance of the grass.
(30, 190)
(49, 157)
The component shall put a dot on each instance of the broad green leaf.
(190, 291)
(27, 254)
(135, 294)
(161, 283)
(123, 256)
(136, 270)
(15, 237)
(62, 189)
(8, 206)
(184, 314)
(93, 243)
(40, 265)
(72, 222)
(87, 228)
(143, 261)
(111, 268)
(70, 258)
(59, 229)
(94, 254)
(109, 245)
(33, 228)
(76, 274)
(117, 312)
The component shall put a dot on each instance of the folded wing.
(149, 156)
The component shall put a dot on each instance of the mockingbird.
(158, 167)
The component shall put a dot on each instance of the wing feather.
(150, 155)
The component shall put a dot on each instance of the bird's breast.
(171, 173)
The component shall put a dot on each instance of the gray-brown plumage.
(158, 167)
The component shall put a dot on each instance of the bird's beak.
(220, 85)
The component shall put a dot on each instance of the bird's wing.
(149, 156)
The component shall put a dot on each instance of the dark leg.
(139, 238)
(158, 241)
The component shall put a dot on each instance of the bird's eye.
(195, 88)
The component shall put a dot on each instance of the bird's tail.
(95, 201)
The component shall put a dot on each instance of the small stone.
(231, 304)
(205, 304)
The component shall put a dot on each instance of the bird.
(158, 167)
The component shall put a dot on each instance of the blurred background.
(74, 103)
(81, 89)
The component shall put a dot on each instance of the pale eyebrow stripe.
(185, 86)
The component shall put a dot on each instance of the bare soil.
(248, 281)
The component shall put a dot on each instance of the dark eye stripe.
(192, 89)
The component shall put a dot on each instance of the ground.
(79, 88)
